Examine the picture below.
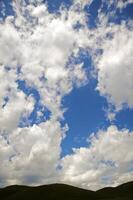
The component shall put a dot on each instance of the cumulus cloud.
(82, 3)
(107, 161)
(115, 69)
(31, 155)
(11, 113)
(122, 4)
(35, 49)
(112, 56)
(38, 48)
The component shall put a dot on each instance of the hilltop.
(66, 192)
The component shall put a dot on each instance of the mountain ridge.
(66, 192)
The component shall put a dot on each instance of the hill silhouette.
(66, 192)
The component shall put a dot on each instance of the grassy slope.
(65, 192)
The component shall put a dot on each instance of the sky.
(66, 92)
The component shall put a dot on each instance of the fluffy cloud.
(107, 161)
(115, 69)
(13, 103)
(110, 45)
(42, 47)
(122, 4)
(82, 3)
(11, 113)
(38, 48)
(35, 49)
(31, 155)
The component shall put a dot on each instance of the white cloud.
(39, 11)
(82, 3)
(17, 107)
(122, 4)
(9, 44)
(41, 48)
(107, 161)
(115, 79)
(32, 154)
(13, 103)
(41, 44)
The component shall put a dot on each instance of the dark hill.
(66, 192)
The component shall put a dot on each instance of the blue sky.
(65, 76)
